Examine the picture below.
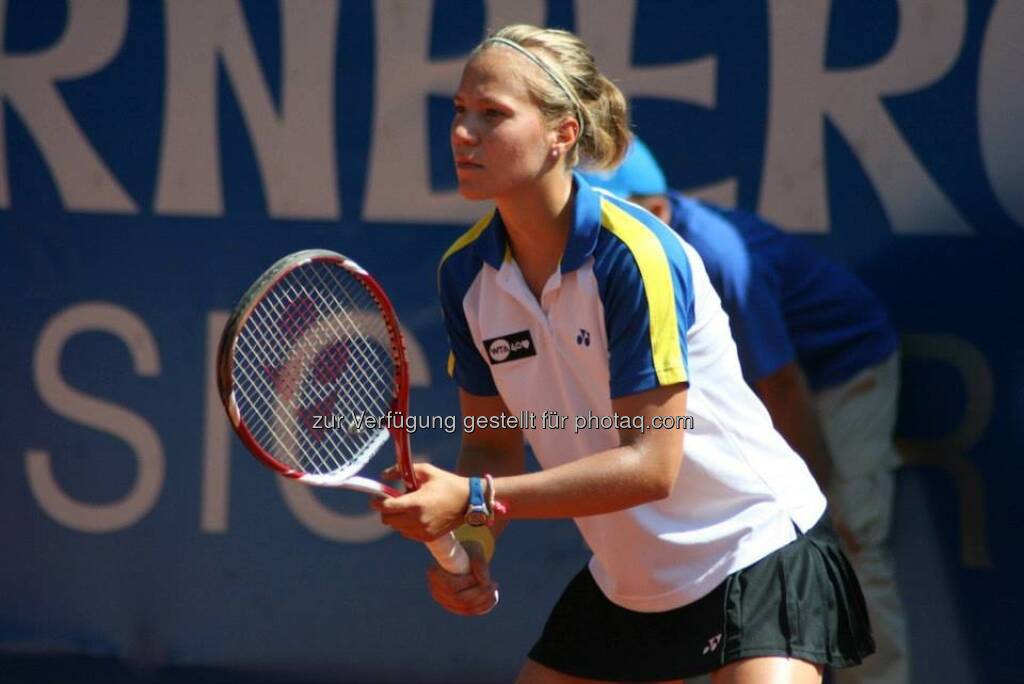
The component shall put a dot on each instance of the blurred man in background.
(819, 349)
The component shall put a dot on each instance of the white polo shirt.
(630, 309)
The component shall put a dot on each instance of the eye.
(493, 113)
(459, 109)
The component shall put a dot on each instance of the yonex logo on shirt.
(517, 345)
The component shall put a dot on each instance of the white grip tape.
(449, 554)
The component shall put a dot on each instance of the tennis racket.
(310, 364)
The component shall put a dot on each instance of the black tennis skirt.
(801, 601)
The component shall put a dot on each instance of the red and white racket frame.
(445, 549)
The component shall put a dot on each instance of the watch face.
(476, 518)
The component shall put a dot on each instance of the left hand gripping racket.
(310, 365)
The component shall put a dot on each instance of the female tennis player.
(712, 549)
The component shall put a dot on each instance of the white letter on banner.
(103, 415)
(608, 28)
(294, 149)
(794, 191)
(399, 166)
(1001, 106)
(93, 36)
(345, 527)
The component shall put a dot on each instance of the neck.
(538, 222)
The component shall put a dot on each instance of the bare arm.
(642, 469)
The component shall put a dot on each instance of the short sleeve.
(465, 363)
(647, 294)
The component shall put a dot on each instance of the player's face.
(500, 140)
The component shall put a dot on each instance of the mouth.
(466, 164)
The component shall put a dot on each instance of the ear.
(564, 136)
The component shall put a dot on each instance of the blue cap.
(638, 174)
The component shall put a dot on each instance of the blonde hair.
(573, 86)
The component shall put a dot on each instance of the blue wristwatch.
(477, 513)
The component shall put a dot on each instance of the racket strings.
(270, 426)
(312, 398)
(383, 384)
(294, 415)
(277, 431)
(315, 342)
(356, 392)
(351, 331)
(321, 342)
(378, 325)
(293, 409)
(267, 432)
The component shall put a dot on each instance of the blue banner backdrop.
(155, 158)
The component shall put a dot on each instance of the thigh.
(768, 670)
(535, 673)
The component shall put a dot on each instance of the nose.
(462, 133)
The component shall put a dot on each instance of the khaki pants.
(858, 418)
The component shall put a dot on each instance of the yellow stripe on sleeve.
(658, 286)
(464, 240)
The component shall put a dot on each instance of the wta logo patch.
(517, 345)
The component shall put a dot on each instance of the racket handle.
(449, 554)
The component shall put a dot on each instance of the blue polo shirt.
(785, 300)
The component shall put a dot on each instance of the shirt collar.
(490, 246)
(586, 227)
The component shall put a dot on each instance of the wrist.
(482, 503)
(477, 511)
(494, 505)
